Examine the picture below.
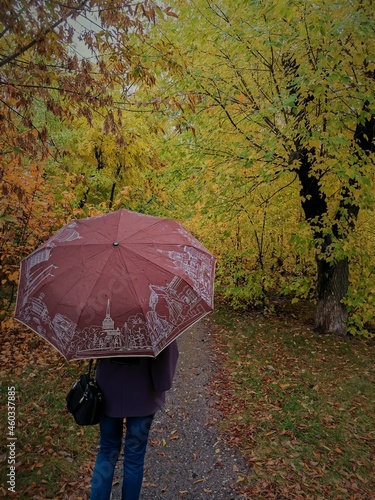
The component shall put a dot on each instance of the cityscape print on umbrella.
(197, 266)
(143, 332)
(35, 278)
(140, 332)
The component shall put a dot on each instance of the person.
(134, 389)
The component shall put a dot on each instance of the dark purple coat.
(135, 387)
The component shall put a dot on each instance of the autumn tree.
(280, 95)
(59, 62)
(107, 172)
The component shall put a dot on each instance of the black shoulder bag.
(84, 400)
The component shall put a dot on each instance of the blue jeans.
(136, 437)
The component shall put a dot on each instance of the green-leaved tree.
(282, 93)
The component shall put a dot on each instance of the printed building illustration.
(112, 336)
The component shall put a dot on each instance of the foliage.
(276, 109)
(28, 215)
(102, 172)
(360, 300)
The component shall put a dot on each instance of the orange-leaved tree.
(57, 59)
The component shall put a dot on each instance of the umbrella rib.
(132, 284)
(175, 272)
(154, 264)
(86, 223)
(88, 295)
(140, 230)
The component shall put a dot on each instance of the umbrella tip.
(115, 243)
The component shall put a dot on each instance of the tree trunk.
(333, 282)
(333, 278)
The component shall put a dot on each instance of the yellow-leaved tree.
(279, 97)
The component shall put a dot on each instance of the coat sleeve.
(163, 367)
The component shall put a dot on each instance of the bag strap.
(90, 367)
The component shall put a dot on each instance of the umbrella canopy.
(120, 284)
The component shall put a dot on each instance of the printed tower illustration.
(113, 336)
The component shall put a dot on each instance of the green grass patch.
(299, 405)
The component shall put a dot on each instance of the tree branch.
(48, 30)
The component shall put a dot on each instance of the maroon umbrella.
(120, 284)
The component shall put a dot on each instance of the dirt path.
(186, 457)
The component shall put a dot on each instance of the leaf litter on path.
(187, 457)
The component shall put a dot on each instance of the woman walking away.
(132, 388)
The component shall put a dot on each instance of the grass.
(299, 405)
(54, 455)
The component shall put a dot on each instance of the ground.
(262, 408)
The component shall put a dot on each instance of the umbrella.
(119, 284)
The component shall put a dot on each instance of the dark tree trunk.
(114, 184)
(332, 277)
(333, 280)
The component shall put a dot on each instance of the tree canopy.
(278, 100)
(47, 84)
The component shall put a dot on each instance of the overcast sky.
(79, 25)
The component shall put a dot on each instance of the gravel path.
(186, 457)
